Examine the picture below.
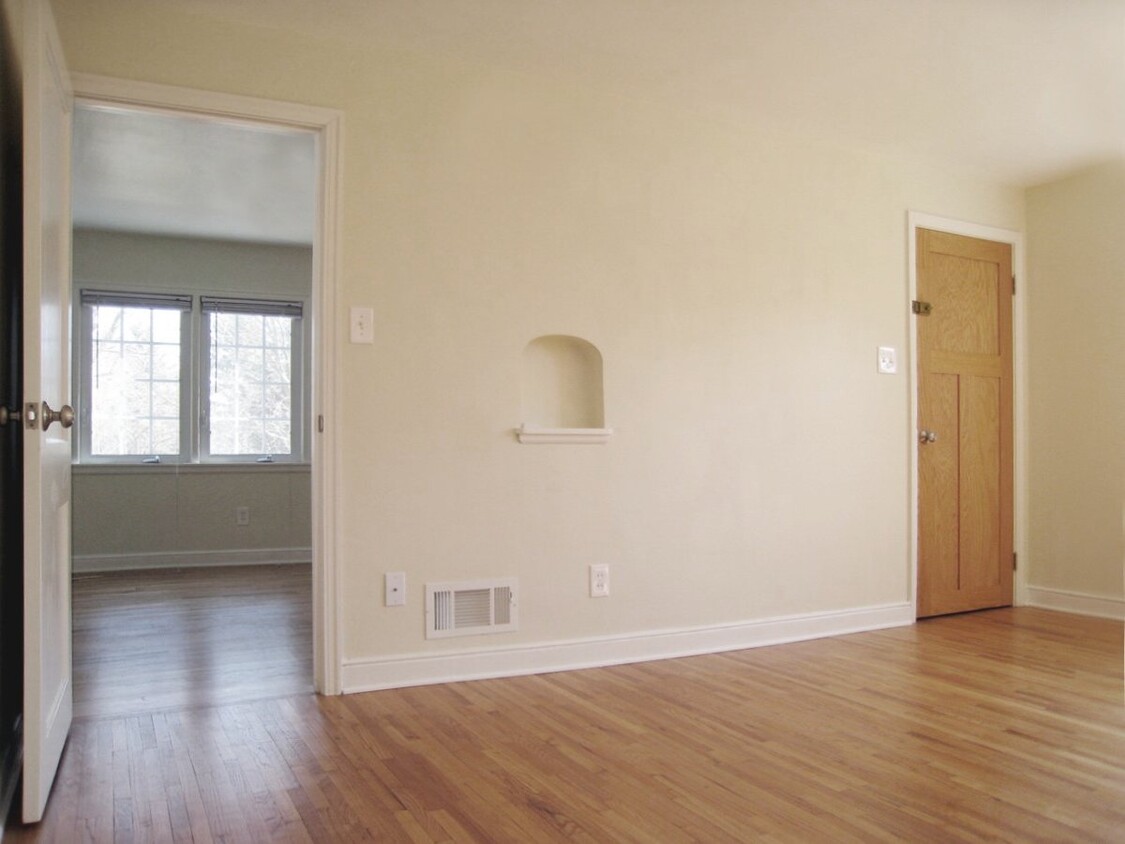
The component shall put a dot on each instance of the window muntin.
(135, 382)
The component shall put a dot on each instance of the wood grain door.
(964, 446)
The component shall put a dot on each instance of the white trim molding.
(1079, 603)
(419, 669)
(91, 563)
(528, 434)
(917, 220)
(328, 127)
(141, 469)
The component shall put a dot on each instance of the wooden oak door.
(965, 419)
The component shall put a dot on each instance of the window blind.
(261, 307)
(170, 301)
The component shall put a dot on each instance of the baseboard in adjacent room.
(89, 563)
(1079, 603)
(419, 669)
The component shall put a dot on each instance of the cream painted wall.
(736, 278)
(1077, 396)
(158, 514)
(562, 384)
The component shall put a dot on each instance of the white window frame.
(194, 379)
(262, 307)
(85, 352)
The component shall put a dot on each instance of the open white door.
(46, 415)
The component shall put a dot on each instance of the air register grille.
(470, 607)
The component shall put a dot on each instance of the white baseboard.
(420, 669)
(1080, 603)
(90, 563)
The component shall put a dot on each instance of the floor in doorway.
(159, 639)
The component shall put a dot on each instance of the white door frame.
(327, 124)
(918, 220)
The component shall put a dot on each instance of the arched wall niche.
(562, 390)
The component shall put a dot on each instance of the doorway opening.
(199, 280)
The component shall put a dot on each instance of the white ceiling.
(166, 174)
(1020, 91)
(1024, 90)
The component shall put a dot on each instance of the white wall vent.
(470, 607)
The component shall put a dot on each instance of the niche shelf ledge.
(531, 435)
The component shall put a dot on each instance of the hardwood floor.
(146, 641)
(1006, 725)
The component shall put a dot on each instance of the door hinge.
(1015, 561)
(921, 308)
(1013, 284)
(320, 424)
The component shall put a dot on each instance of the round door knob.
(64, 416)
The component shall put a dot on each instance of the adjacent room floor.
(1005, 725)
(152, 640)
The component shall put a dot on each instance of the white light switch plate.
(362, 321)
(888, 360)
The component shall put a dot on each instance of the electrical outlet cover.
(599, 581)
(395, 587)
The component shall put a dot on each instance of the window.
(134, 396)
(249, 367)
(146, 360)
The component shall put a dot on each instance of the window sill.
(188, 468)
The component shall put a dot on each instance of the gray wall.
(114, 259)
(152, 516)
(140, 516)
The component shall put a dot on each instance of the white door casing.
(47, 104)
(328, 125)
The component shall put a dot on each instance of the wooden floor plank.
(150, 640)
(1006, 725)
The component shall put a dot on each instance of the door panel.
(47, 628)
(964, 295)
(938, 513)
(979, 482)
(965, 399)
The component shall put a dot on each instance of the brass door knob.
(64, 416)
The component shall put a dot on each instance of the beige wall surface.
(1076, 245)
(736, 279)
